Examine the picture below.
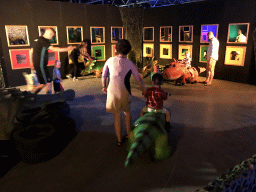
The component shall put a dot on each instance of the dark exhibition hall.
(127, 96)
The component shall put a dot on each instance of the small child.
(155, 97)
(187, 62)
(57, 77)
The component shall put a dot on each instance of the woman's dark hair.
(88, 41)
(123, 46)
(157, 79)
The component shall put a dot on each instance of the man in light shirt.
(240, 36)
(212, 57)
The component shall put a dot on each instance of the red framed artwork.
(113, 49)
(52, 56)
(20, 58)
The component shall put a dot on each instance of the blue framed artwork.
(207, 28)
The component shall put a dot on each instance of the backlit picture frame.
(17, 35)
(97, 35)
(98, 52)
(186, 33)
(182, 49)
(203, 52)
(117, 33)
(20, 58)
(54, 40)
(205, 28)
(238, 33)
(166, 34)
(148, 49)
(148, 34)
(74, 34)
(235, 55)
(166, 51)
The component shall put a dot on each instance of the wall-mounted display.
(113, 50)
(186, 33)
(166, 34)
(235, 55)
(148, 33)
(116, 34)
(166, 51)
(207, 28)
(203, 52)
(98, 51)
(74, 34)
(238, 33)
(20, 58)
(52, 56)
(182, 50)
(54, 40)
(97, 35)
(148, 50)
(17, 35)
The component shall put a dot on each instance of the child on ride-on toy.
(187, 62)
(155, 97)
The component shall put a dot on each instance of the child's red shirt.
(155, 97)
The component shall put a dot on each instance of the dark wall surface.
(61, 14)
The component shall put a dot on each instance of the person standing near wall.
(212, 57)
(40, 59)
(118, 91)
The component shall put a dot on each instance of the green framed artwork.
(74, 34)
(182, 49)
(238, 33)
(203, 52)
(98, 52)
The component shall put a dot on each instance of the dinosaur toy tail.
(140, 145)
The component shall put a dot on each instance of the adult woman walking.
(118, 91)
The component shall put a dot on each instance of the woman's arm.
(138, 78)
(61, 49)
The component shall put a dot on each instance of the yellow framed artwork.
(74, 34)
(182, 50)
(17, 35)
(54, 40)
(97, 35)
(148, 34)
(148, 49)
(166, 51)
(235, 55)
(186, 33)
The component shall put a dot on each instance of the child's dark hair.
(55, 62)
(123, 46)
(157, 79)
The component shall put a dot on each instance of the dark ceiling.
(131, 3)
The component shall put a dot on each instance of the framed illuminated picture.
(148, 50)
(203, 52)
(116, 34)
(98, 51)
(148, 34)
(54, 40)
(52, 56)
(113, 50)
(97, 35)
(17, 35)
(166, 34)
(238, 33)
(80, 58)
(166, 51)
(20, 58)
(205, 28)
(182, 50)
(74, 34)
(186, 33)
(235, 55)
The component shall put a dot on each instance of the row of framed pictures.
(235, 55)
(237, 33)
(17, 35)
